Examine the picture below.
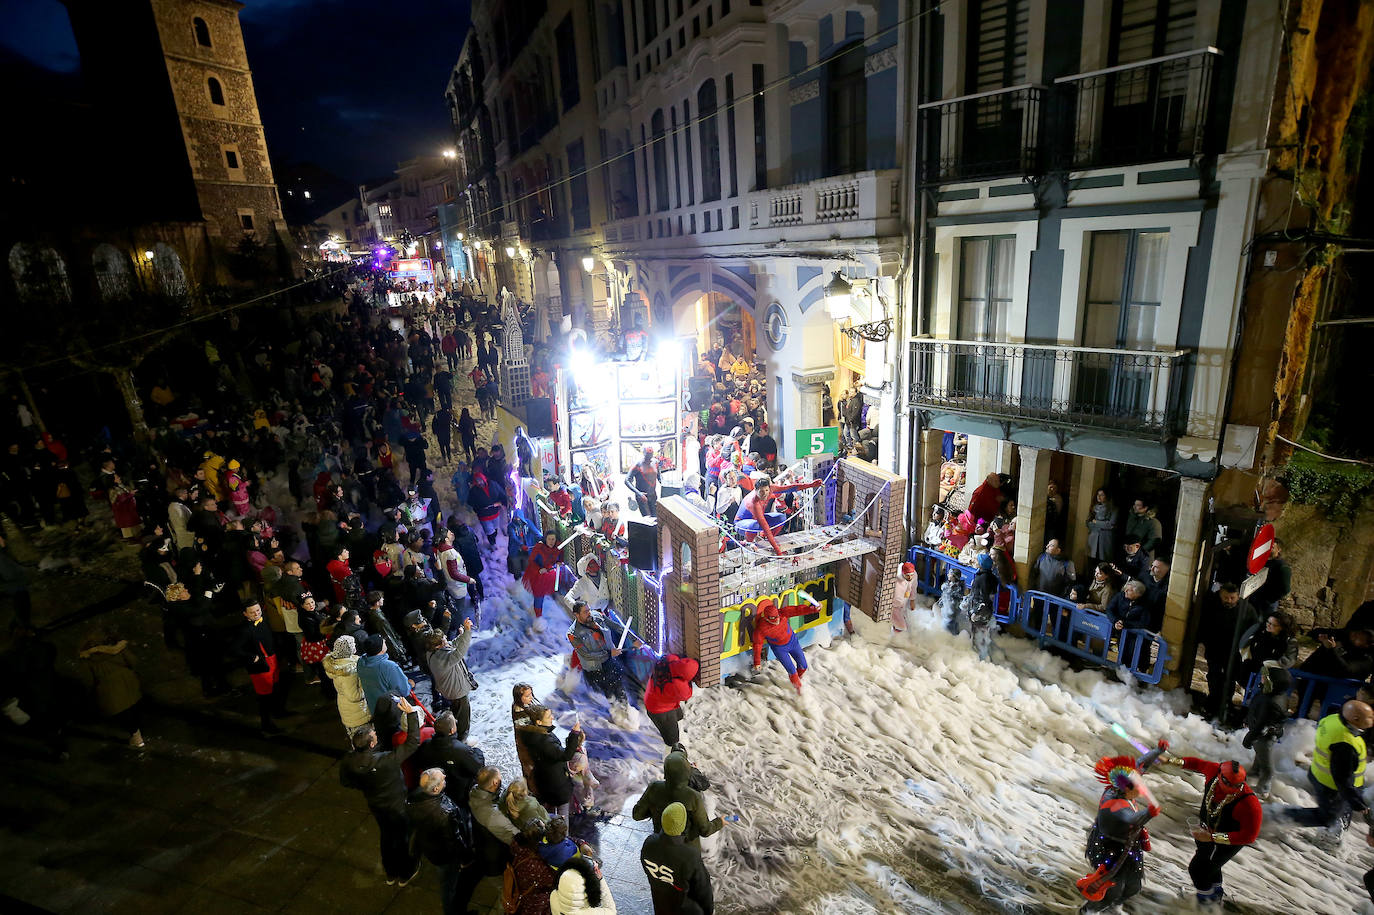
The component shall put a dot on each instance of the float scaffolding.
(708, 596)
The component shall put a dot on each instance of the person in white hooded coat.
(341, 665)
(593, 585)
(581, 890)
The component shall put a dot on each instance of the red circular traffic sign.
(1260, 549)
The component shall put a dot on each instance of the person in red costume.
(1231, 816)
(541, 575)
(338, 573)
(670, 685)
(986, 501)
(753, 517)
(771, 626)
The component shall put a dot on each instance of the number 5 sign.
(818, 441)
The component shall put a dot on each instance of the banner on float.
(733, 639)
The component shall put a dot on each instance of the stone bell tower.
(178, 73)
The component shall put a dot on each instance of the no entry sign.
(1260, 549)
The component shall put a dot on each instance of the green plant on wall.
(1339, 491)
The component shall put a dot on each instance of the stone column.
(929, 460)
(1030, 507)
(1087, 476)
(811, 388)
(1183, 582)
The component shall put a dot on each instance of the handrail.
(1056, 347)
(1137, 65)
(977, 95)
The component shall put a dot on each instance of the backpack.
(511, 894)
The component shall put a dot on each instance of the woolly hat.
(374, 645)
(984, 562)
(414, 618)
(908, 568)
(674, 819)
(344, 647)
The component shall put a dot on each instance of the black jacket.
(553, 785)
(459, 761)
(438, 829)
(678, 881)
(1268, 711)
(250, 644)
(1222, 626)
(376, 772)
(1132, 614)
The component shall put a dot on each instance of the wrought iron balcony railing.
(983, 135)
(1141, 112)
(1135, 392)
(1148, 111)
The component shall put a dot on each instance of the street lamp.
(147, 255)
(510, 252)
(837, 293)
(588, 264)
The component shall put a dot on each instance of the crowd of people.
(291, 526)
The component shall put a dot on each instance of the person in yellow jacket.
(213, 465)
(1337, 771)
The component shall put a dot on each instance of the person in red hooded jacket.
(1230, 817)
(670, 685)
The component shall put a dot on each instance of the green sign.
(818, 441)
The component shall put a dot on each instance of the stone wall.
(1332, 562)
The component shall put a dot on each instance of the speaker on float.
(539, 411)
(699, 392)
(642, 534)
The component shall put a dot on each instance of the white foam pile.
(911, 777)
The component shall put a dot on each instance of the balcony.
(984, 135)
(1154, 110)
(1140, 393)
(1143, 112)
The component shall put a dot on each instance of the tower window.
(202, 32)
(231, 158)
(246, 220)
(216, 91)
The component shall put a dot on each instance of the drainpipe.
(918, 38)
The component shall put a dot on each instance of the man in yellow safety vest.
(1337, 771)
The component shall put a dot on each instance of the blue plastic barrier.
(1333, 691)
(932, 566)
(1088, 634)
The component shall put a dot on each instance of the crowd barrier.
(1054, 621)
(1333, 692)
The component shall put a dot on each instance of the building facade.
(1091, 175)
(706, 167)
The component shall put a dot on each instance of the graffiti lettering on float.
(738, 617)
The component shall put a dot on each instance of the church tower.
(189, 136)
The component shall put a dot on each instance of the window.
(985, 288)
(1142, 29)
(216, 91)
(687, 138)
(997, 49)
(246, 220)
(577, 187)
(660, 162)
(384, 211)
(112, 274)
(649, 13)
(730, 132)
(709, 128)
(1125, 284)
(847, 112)
(1125, 288)
(567, 63)
(760, 131)
(677, 163)
(40, 274)
(202, 32)
(231, 158)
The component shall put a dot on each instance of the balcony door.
(1149, 103)
(985, 288)
(1125, 286)
(999, 34)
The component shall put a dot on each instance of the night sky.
(352, 86)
